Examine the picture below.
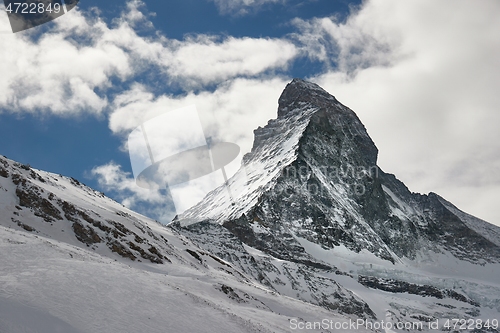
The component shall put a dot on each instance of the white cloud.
(202, 60)
(56, 74)
(242, 7)
(424, 81)
(229, 114)
(122, 185)
(237, 107)
(346, 47)
(133, 14)
(421, 74)
(69, 69)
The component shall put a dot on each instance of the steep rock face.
(313, 173)
(311, 190)
(301, 277)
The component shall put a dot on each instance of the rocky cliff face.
(311, 188)
(323, 184)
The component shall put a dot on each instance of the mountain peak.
(310, 203)
(313, 173)
(312, 128)
(326, 114)
(300, 92)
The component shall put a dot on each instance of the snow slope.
(53, 281)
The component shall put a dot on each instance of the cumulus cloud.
(344, 47)
(70, 68)
(123, 187)
(232, 111)
(61, 70)
(204, 59)
(242, 7)
(423, 82)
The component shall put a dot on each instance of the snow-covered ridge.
(75, 261)
(63, 209)
(485, 229)
(277, 148)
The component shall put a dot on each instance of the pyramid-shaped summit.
(299, 91)
(312, 174)
(277, 145)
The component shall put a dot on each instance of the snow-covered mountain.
(73, 260)
(316, 238)
(316, 219)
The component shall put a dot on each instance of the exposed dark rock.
(3, 172)
(22, 225)
(120, 227)
(156, 259)
(231, 293)
(18, 179)
(69, 210)
(117, 247)
(42, 207)
(86, 235)
(396, 286)
(194, 255)
(26, 167)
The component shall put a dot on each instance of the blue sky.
(74, 145)
(422, 83)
